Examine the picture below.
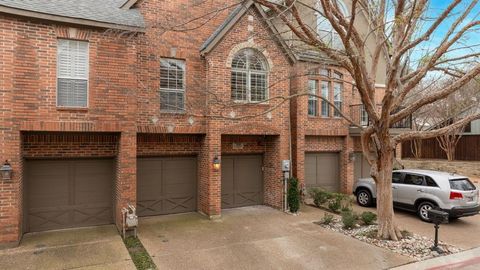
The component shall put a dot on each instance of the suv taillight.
(455, 195)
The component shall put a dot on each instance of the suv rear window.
(461, 184)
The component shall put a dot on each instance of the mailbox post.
(437, 217)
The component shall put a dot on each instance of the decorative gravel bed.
(412, 245)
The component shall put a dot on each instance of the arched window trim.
(325, 29)
(249, 84)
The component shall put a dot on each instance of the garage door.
(322, 170)
(361, 166)
(242, 181)
(166, 185)
(68, 193)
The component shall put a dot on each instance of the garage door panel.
(68, 193)
(322, 170)
(242, 181)
(148, 172)
(166, 185)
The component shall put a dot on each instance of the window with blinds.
(249, 76)
(172, 85)
(72, 73)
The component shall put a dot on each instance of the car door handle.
(420, 190)
(394, 187)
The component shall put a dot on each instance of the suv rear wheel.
(422, 210)
(364, 198)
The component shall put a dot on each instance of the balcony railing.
(360, 116)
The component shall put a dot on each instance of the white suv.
(422, 190)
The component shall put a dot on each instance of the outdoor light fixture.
(216, 163)
(6, 171)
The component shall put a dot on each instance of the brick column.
(209, 182)
(348, 166)
(126, 181)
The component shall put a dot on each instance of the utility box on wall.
(285, 165)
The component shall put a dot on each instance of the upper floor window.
(72, 73)
(249, 76)
(331, 85)
(312, 99)
(325, 29)
(172, 85)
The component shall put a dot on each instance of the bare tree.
(417, 42)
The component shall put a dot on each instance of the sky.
(471, 39)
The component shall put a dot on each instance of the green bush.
(335, 204)
(368, 217)
(293, 196)
(349, 219)
(327, 219)
(319, 196)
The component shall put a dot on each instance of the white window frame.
(183, 64)
(248, 72)
(313, 98)
(325, 29)
(87, 104)
(363, 116)
(338, 99)
(327, 97)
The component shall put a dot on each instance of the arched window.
(325, 29)
(249, 76)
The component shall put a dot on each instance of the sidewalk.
(466, 260)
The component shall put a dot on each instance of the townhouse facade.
(117, 103)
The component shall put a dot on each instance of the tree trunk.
(387, 228)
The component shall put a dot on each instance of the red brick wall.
(168, 144)
(69, 145)
(28, 55)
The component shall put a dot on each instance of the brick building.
(110, 103)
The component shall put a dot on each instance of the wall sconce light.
(6, 171)
(216, 163)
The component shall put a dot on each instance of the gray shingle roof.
(106, 11)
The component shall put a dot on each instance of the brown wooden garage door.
(166, 185)
(361, 166)
(68, 193)
(242, 181)
(322, 170)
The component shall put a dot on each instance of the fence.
(468, 148)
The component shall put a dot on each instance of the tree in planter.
(402, 30)
(293, 196)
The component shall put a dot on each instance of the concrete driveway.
(257, 238)
(85, 248)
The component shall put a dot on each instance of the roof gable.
(231, 21)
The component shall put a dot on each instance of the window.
(461, 184)
(330, 83)
(249, 77)
(396, 177)
(325, 94)
(412, 179)
(325, 29)
(312, 100)
(430, 182)
(72, 73)
(337, 98)
(363, 116)
(468, 128)
(172, 85)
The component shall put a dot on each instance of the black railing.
(360, 116)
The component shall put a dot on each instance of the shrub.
(319, 196)
(327, 219)
(335, 204)
(293, 196)
(349, 219)
(368, 217)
